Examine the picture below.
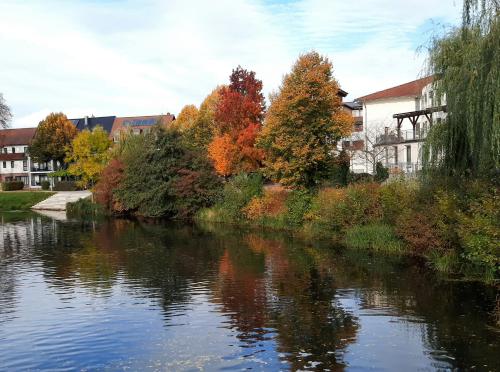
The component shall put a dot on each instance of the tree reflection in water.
(281, 297)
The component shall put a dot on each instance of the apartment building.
(355, 143)
(14, 158)
(396, 122)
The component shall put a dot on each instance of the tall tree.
(304, 123)
(88, 155)
(466, 64)
(238, 119)
(5, 113)
(52, 138)
(201, 133)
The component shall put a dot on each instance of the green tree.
(52, 138)
(466, 63)
(164, 178)
(88, 155)
(303, 124)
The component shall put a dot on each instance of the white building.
(395, 123)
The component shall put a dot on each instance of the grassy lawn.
(21, 200)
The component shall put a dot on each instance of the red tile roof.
(413, 88)
(18, 136)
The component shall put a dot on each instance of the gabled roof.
(17, 136)
(354, 105)
(106, 122)
(413, 88)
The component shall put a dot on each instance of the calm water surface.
(123, 295)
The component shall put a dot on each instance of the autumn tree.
(201, 132)
(187, 118)
(5, 113)
(52, 138)
(238, 119)
(304, 123)
(88, 155)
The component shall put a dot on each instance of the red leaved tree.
(238, 119)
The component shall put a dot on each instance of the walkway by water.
(58, 201)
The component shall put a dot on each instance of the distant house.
(106, 122)
(138, 124)
(355, 143)
(396, 122)
(15, 161)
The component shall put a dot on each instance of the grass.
(84, 208)
(21, 200)
(376, 237)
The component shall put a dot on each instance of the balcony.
(406, 168)
(404, 136)
(44, 167)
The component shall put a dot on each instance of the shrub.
(110, 178)
(65, 186)
(381, 173)
(359, 178)
(396, 197)
(479, 232)
(337, 209)
(84, 208)
(420, 231)
(298, 205)
(377, 237)
(12, 185)
(45, 185)
(270, 204)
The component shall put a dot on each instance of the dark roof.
(18, 136)
(106, 122)
(353, 105)
(342, 93)
(413, 88)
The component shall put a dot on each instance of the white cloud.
(137, 57)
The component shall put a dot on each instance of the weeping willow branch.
(465, 63)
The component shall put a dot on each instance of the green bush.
(298, 205)
(45, 185)
(377, 237)
(381, 173)
(65, 186)
(84, 208)
(12, 185)
(396, 197)
(359, 178)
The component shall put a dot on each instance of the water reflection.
(119, 294)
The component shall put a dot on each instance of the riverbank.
(456, 228)
(21, 200)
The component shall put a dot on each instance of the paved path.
(58, 201)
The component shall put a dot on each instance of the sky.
(129, 58)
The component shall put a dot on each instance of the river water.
(124, 295)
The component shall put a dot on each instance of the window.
(12, 164)
(13, 150)
(25, 165)
(408, 154)
(5, 150)
(5, 164)
(25, 150)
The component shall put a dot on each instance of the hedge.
(65, 186)
(12, 185)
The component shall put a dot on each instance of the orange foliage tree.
(238, 120)
(304, 123)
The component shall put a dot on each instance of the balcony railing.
(42, 168)
(404, 136)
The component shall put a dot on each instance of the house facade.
(17, 165)
(396, 122)
(355, 143)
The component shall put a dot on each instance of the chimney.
(86, 121)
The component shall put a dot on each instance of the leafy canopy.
(466, 65)
(238, 119)
(52, 138)
(304, 122)
(88, 155)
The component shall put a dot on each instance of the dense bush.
(12, 185)
(110, 179)
(45, 185)
(395, 198)
(381, 172)
(65, 186)
(359, 178)
(162, 178)
(337, 209)
(271, 203)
